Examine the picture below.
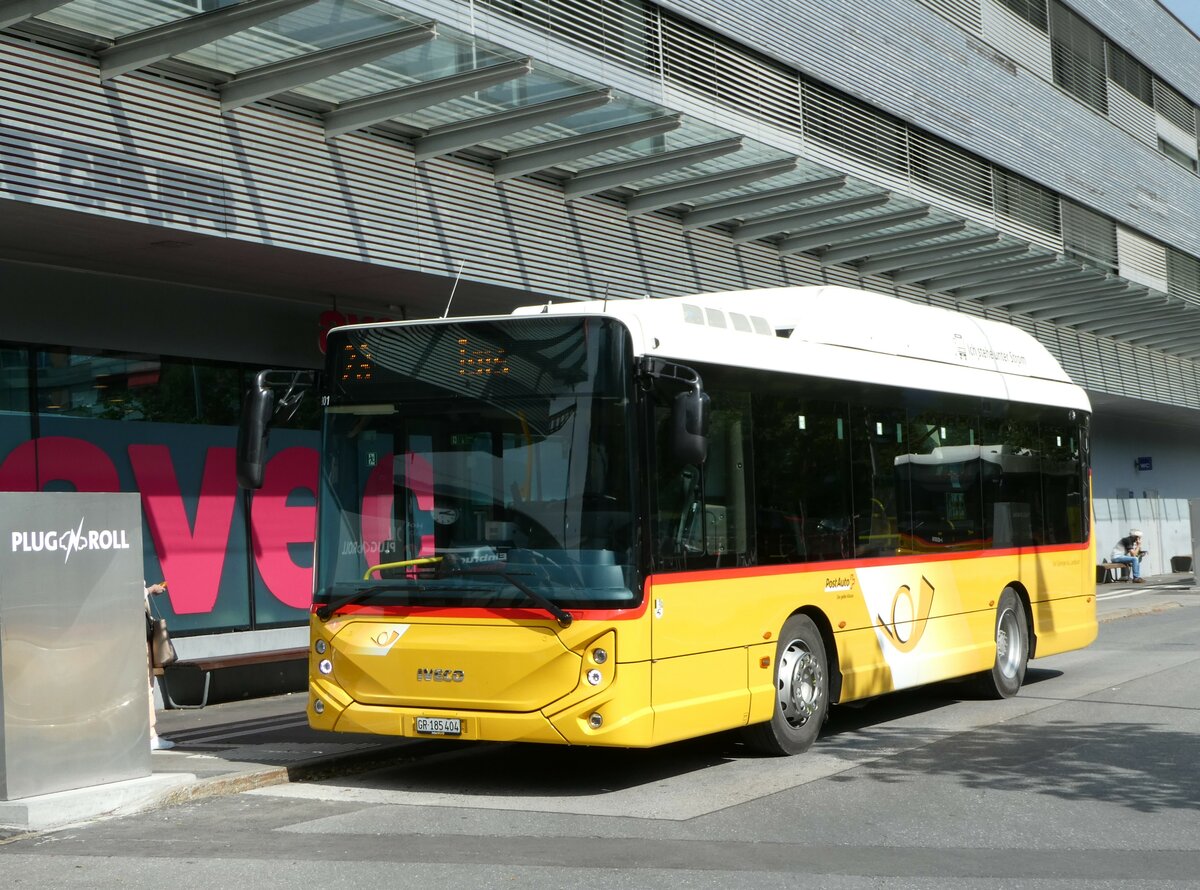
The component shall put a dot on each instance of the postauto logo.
(69, 541)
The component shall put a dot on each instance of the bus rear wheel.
(801, 691)
(1012, 649)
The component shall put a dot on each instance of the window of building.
(1032, 11)
(1128, 72)
(1089, 236)
(1182, 158)
(1077, 57)
(1027, 202)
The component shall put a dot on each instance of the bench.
(1113, 571)
(217, 662)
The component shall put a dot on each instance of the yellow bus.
(628, 523)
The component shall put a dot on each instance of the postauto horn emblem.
(440, 675)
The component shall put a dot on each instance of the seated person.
(1128, 551)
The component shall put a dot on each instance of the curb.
(1136, 611)
(326, 766)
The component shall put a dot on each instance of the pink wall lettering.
(33, 465)
(274, 525)
(192, 558)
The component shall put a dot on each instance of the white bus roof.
(844, 333)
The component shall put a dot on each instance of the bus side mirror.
(689, 426)
(257, 409)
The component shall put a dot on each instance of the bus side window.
(802, 479)
(878, 437)
(943, 472)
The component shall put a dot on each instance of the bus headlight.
(318, 706)
(599, 656)
(326, 666)
(595, 677)
(320, 646)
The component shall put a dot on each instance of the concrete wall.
(1118, 443)
(1165, 524)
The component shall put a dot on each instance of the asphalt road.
(1089, 778)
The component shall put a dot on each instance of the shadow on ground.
(1145, 767)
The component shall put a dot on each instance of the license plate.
(439, 726)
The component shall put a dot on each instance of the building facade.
(194, 189)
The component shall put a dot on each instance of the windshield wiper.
(453, 565)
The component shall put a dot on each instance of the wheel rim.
(800, 684)
(1008, 644)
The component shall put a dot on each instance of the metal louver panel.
(1077, 54)
(1183, 276)
(710, 66)
(1026, 209)
(625, 30)
(1182, 140)
(964, 13)
(1132, 115)
(1016, 37)
(1128, 73)
(1175, 108)
(1141, 259)
(847, 127)
(1089, 236)
(950, 172)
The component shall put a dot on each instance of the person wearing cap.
(1129, 551)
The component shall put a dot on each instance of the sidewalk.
(220, 749)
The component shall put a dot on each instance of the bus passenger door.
(701, 528)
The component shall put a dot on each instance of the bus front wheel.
(801, 691)
(1012, 649)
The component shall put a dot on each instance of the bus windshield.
(502, 449)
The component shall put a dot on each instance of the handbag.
(162, 650)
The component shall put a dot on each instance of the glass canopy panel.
(617, 113)
(532, 89)
(750, 154)
(690, 134)
(324, 25)
(118, 18)
(434, 60)
(852, 189)
(804, 172)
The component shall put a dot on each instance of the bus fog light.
(594, 677)
(326, 666)
(595, 721)
(318, 706)
(320, 646)
(599, 656)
